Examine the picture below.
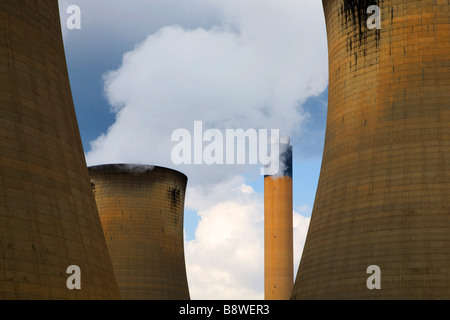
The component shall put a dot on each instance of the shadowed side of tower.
(278, 229)
(48, 216)
(383, 196)
(142, 213)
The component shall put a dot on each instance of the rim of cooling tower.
(132, 168)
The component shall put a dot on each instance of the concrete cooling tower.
(278, 229)
(48, 217)
(142, 212)
(383, 198)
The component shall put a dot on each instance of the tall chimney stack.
(278, 237)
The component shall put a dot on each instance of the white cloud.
(301, 225)
(251, 72)
(225, 260)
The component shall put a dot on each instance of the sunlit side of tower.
(142, 213)
(278, 229)
(383, 196)
(48, 217)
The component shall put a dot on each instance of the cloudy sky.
(140, 69)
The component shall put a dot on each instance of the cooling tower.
(48, 216)
(278, 229)
(142, 212)
(383, 197)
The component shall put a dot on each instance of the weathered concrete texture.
(142, 212)
(48, 217)
(384, 191)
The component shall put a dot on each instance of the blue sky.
(274, 66)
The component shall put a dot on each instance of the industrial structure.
(278, 228)
(383, 197)
(142, 213)
(48, 217)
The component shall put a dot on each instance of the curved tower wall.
(48, 216)
(383, 196)
(142, 211)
